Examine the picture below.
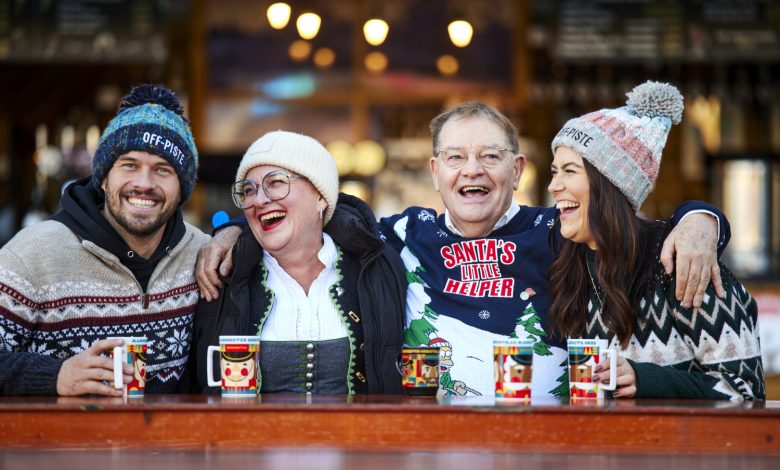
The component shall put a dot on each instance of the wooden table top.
(391, 423)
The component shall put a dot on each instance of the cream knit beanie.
(300, 154)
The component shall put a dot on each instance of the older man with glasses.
(478, 272)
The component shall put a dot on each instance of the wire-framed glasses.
(488, 156)
(275, 185)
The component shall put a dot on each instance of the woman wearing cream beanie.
(311, 278)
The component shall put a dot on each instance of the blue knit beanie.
(625, 144)
(150, 119)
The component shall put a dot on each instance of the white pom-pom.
(656, 99)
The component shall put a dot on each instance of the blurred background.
(365, 77)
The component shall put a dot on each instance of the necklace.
(593, 283)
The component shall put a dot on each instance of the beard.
(134, 225)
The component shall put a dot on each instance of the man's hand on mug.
(91, 371)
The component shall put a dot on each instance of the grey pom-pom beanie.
(625, 144)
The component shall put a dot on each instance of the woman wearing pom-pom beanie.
(607, 281)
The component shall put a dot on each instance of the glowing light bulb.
(460, 32)
(278, 15)
(324, 57)
(375, 62)
(299, 50)
(375, 31)
(308, 25)
(447, 65)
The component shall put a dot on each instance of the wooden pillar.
(359, 103)
(521, 61)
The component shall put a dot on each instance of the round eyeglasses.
(276, 185)
(488, 156)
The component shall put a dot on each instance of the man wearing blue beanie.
(116, 261)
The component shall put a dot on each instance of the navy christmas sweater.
(463, 293)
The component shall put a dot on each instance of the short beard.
(141, 229)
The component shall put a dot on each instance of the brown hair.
(471, 109)
(624, 269)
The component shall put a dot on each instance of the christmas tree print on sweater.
(465, 293)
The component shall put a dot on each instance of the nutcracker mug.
(513, 368)
(584, 355)
(132, 352)
(420, 370)
(238, 365)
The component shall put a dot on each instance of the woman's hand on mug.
(626, 378)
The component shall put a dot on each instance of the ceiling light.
(278, 15)
(375, 62)
(324, 57)
(460, 33)
(308, 25)
(375, 31)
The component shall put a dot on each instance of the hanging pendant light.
(278, 15)
(308, 25)
(375, 31)
(460, 32)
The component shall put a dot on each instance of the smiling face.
(476, 197)
(142, 193)
(238, 373)
(570, 188)
(288, 226)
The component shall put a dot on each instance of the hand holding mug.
(626, 377)
(91, 371)
(584, 356)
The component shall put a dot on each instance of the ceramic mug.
(584, 355)
(419, 369)
(513, 368)
(239, 363)
(132, 352)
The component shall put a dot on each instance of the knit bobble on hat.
(656, 99)
(300, 154)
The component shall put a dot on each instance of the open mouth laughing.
(473, 191)
(270, 220)
(567, 207)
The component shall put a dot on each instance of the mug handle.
(210, 367)
(612, 370)
(398, 364)
(119, 360)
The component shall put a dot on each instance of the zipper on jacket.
(144, 300)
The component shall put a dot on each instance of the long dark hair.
(625, 264)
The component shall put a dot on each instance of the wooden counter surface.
(374, 424)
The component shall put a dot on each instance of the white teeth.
(473, 188)
(265, 218)
(141, 202)
(566, 205)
